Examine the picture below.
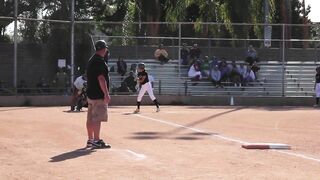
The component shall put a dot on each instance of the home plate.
(265, 146)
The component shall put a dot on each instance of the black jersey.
(96, 67)
(317, 78)
(143, 74)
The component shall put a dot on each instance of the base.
(265, 146)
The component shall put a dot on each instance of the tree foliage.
(225, 12)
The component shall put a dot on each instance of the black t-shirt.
(317, 78)
(96, 67)
(141, 74)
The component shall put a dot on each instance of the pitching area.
(179, 142)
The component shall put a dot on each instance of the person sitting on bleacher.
(195, 52)
(205, 67)
(251, 55)
(242, 69)
(184, 53)
(235, 75)
(225, 70)
(214, 62)
(248, 76)
(215, 76)
(123, 87)
(161, 54)
(130, 82)
(194, 72)
(255, 68)
(121, 66)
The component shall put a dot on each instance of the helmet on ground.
(141, 65)
(101, 44)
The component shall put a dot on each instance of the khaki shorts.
(97, 110)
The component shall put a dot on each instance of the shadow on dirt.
(72, 154)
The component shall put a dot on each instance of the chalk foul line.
(299, 155)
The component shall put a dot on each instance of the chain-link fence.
(41, 56)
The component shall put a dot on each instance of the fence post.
(72, 44)
(179, 56)
(15, 48)
(283, 59)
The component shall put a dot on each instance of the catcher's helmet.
(141, 65)
(101, 44)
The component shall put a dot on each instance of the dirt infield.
(177, 143)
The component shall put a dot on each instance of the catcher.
(145, 85)
(78, 86)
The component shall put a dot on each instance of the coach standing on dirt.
(98, 95)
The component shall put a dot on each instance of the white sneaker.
(136, 111)
(316, 105)
(158, 110)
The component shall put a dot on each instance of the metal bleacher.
(298, 80)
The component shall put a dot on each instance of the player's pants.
(146, 87)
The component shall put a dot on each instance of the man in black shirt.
(145, 86)
(98, 95)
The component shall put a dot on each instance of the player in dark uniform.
(145, 86)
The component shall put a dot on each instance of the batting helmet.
(141, 65)
(101, 44)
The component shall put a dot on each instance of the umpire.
(98, 95)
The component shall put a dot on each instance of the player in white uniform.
(145, 86)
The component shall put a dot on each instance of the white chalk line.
(298, 155)
(129, 153)
(138, 156)
(225, 137)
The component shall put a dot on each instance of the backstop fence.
(44, 56)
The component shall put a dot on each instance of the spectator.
(61, 80)
(195, 53)
(123, 87)
(242, 69)
(215, 76)
(205, 67)
(121, 66)
(194, 72)
(42, 85)
(255, 68)
(130, 82)
(214, 62)
(184, 53)
(161, 54)
(235, 74)
(251, 56)
(249, 76)
(225, 70)
(133, 67)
